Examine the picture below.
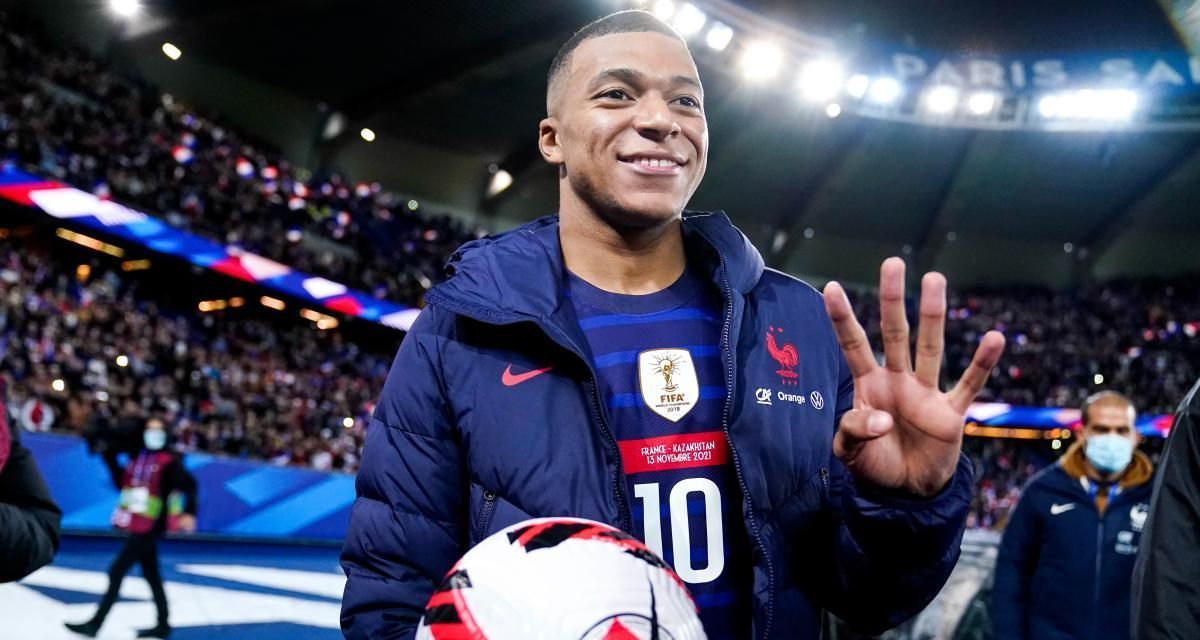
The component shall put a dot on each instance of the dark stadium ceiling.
(821, 197)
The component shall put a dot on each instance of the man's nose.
(655, 119)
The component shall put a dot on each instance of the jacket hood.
(520, 274)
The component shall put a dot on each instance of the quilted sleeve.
(404, 531)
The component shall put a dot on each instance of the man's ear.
(548, 140)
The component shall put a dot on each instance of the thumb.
(857, 428)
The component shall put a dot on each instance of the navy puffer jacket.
(453, 454)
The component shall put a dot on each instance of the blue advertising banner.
(237, 498)
(78, 207)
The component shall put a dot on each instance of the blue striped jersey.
(659, 372)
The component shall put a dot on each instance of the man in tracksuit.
(1066, 560)
(629, 363)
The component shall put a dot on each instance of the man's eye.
(615, 94)
(688, 101)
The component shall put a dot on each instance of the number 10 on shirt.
(681, 542)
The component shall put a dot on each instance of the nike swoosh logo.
(511, 379)
(1056, 509)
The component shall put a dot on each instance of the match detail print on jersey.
(668, 382)
(682, 451)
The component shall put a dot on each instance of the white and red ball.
(561, 579)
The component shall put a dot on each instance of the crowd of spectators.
(66, 116)
(77, 347)
(1002, 466)
(1139, 337)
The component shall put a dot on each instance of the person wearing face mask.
(158, 494)
(1064, 570)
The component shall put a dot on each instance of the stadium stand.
(64, 115)
(1139, 337)
(83, 345)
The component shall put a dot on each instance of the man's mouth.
(654, 163)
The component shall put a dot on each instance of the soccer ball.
(560, 579)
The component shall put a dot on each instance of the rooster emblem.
(786, 356)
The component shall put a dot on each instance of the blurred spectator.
(1002, 467)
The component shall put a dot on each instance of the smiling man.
(631, 363)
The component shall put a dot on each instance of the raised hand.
(904, 432)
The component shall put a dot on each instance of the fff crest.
(667, 378)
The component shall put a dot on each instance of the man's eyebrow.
(630, 77)
(689, 81)
(633, 77)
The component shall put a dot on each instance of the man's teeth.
(655, 162)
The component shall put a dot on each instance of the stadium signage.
(1168, 71)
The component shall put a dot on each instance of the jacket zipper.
(727, 355)
(1096, 578)
(1108, 508)
(485, 514)
(619, 479)
(825, 480)
(623, 510)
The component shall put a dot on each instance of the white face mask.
(154, 439)
(1109, 453)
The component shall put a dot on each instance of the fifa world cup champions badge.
(668, 382)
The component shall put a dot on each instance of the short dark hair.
(1104, 398)
(631, 21)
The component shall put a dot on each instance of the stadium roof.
(453, 87)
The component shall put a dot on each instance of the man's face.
(629, 127)
(1110, 418)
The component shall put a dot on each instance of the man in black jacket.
(29, 518)
(1166, 579)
